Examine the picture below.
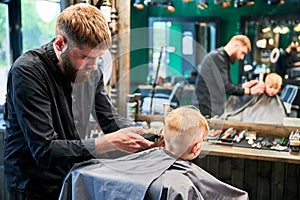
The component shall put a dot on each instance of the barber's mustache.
(88, 68)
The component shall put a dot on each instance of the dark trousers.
(21, 195)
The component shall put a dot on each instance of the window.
(38, 27)
(38, 22)
(4, 51)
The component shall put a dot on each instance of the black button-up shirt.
(213, 83)
(47, 121)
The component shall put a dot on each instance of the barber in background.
(43, 140)
(293, 54)
(213, 82)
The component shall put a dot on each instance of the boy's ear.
(196, 149)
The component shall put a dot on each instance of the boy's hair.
(274, 80)
(181, 128)
(243, 39)
(84, 24)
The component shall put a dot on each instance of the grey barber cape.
(257, 109)
(151, 174)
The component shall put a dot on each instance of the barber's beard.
(82, 76)
(233, 58)
(69, 70)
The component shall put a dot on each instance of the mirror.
(275, 48)
(270, 37)
(177, 44)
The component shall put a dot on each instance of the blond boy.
(184, 131)
(273, 84)
(265, 108)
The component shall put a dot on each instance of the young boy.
(273, 84)
(184, 131)
(265, 108)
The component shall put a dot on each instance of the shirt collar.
(52, 56)
(222, 51)
(51, 52)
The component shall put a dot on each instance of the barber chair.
(290, 96)
(159, 99)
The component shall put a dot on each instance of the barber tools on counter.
(250, 139)
(295, 141)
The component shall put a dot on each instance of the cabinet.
(264, 174)
(262, 179)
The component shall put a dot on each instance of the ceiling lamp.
(240, 3)
(277, 29)
(266, 29)
(202, 4)
(284, 30)
(276, 2)
(262, 43)
(265, 26)
(297, 28)
(223, 3)
(138, 4)
(168, 4)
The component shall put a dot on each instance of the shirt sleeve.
(224, 68)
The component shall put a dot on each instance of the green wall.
(230, 25)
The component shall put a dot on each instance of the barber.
(213, 82)
(43, 140)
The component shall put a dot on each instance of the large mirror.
(176, 47)
(275, 48)
(178, 44)
(268, 35)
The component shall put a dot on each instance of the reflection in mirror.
(271, 37)
(183, 40)
(275, 48)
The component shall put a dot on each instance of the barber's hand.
(249, 84)
(259, 88)
(127, 139)
(297, 64)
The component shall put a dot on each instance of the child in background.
(273, 84)
(266, 108)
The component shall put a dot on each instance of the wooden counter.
(249, 153)
(278, 131)
(264, 174)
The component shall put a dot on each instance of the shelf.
(249, 153)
